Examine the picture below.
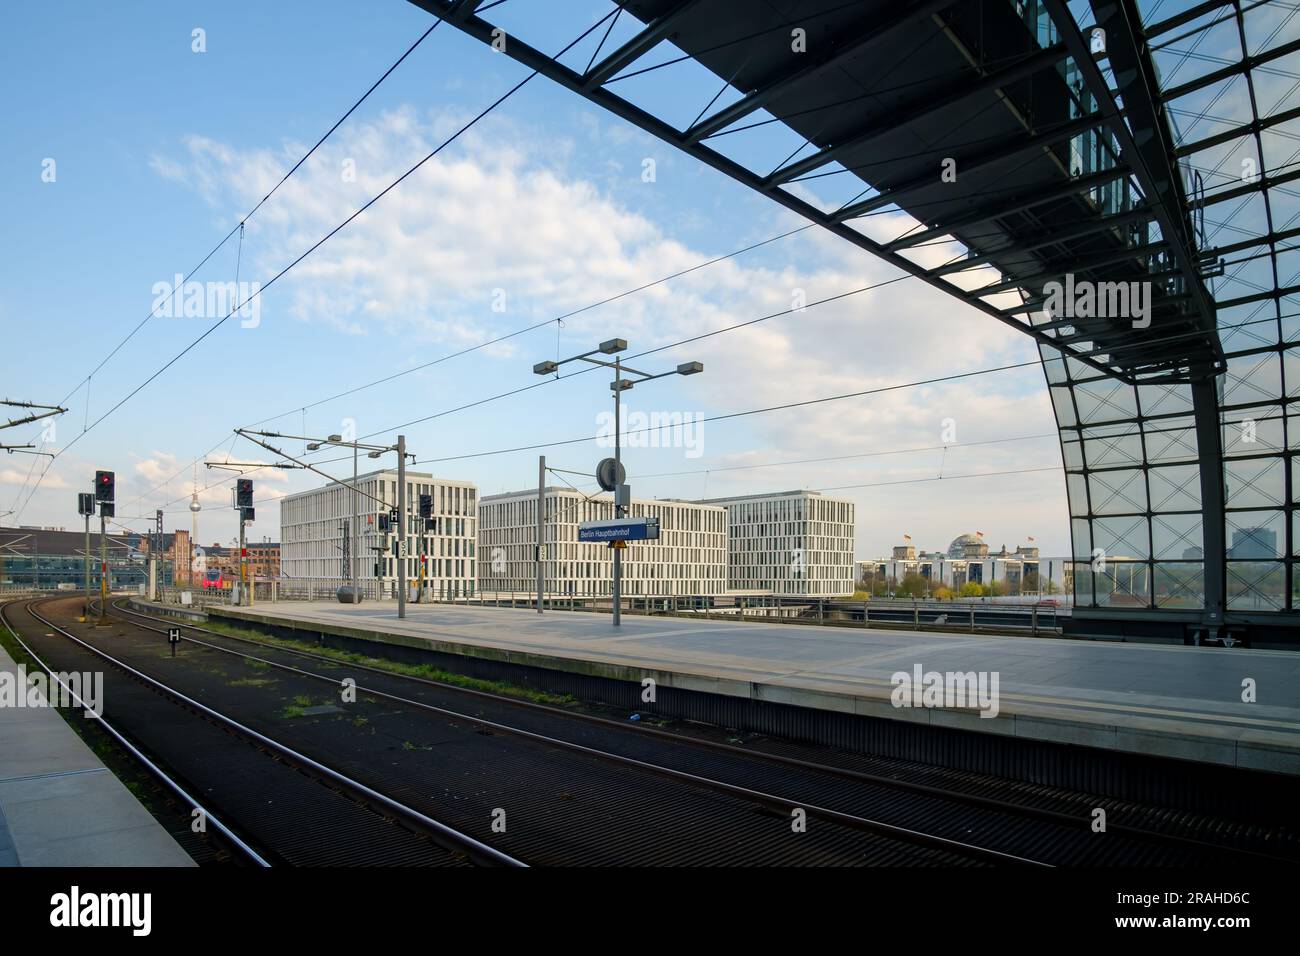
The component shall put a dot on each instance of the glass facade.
(1229, 78)
(51, 570)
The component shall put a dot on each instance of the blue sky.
(541, 209)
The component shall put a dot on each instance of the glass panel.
(1178, 585)
(1177, 488)
(1082, 538)
(1254, 483)
(1256, 586)
(1252, 431)
(1255, 534)
(1121, 538)
(1123, 584)
(1177, 536)
(1117, 492)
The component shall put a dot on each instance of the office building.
(689, 557)
(790, 543)
(315, 544)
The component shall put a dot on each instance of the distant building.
(1256, 543)
(969, 560)
(315, 534)
(263, 560)
(789, 543)
(689, 558)
(968, 546)
(44, 558)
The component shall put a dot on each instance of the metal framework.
(1036, 142)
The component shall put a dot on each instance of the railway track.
(272, 804)
(583, 806)
(899, 801)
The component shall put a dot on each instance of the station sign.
(623, 529)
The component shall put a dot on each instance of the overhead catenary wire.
(559, 319)
(238, 227)
(286, 269)
(747, 412)
(686, 341)
(869, 454)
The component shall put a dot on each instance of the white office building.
(689, 558)
(790, 543)
(314, 536)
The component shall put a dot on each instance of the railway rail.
(290, 808)
(1053, 825)
(692, 802)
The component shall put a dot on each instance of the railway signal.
(105, 494)
(397, 517)
(104, 486)
(244, 505)
(86, 508)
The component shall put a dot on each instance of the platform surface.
(1180, 702)
(60, 806)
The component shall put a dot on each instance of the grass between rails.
(423, 671)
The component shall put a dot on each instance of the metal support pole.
(541, 526)
(618, 509)
(401, 526)
(354, 532)
(103, 567)
(243, 571)
(85, 611)
(1205, 412)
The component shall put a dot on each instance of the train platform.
(1185, 703)
(60, 806)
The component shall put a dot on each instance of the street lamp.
(373, 451)
(622, 494)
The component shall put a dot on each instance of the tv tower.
(195, 508)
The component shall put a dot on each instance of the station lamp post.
(622, 493)
(373, 451)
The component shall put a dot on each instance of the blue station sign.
(624, 529)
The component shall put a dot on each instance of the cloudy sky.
(542, 209)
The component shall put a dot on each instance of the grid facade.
(314, 534)
(792, 543)
(1145, 534)
(688, 559)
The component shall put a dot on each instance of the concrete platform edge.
(1073, 729)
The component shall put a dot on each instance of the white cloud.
(16, 476)
(504, 210)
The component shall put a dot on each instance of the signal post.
(105, 495)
